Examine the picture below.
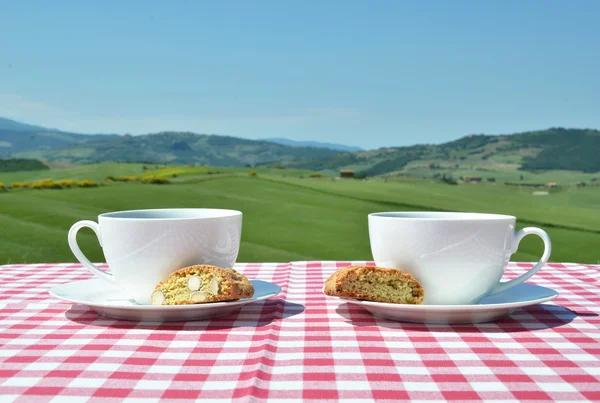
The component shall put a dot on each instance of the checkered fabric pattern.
(297, 346)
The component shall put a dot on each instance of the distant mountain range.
(555, 148)
(7, 124)
(316, 144)
(25, 141)
(16, 137)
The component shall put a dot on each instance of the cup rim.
(122, 215)
(439, 216)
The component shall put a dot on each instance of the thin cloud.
(20, 106)
(32, 111)
(333, 112)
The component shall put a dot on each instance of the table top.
(298, 346)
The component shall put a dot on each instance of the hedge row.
(86, 183)
(52, 184)
(143, 179)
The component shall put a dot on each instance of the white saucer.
(111, 301)
(489, 309)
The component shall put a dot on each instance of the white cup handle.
(72, 237)
(515, 245)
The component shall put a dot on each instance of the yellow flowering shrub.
(68, 183)
(86, 183)
(46, 184)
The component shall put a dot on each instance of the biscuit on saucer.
(374, 283)
(200, 284)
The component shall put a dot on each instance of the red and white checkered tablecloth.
(297, 346)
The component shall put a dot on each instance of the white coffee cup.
(142, 247)
(458, 258)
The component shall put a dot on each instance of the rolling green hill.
(525, 157)
(285, 217)
(552, 149)
(180, 148)
(18, 140)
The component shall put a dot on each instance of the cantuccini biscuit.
(374, 283)
(201, 284)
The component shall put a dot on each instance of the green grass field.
(285, 217)
(95, 172)
(570, 208)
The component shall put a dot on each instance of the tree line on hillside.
(399, 160)
(21, 164)
(555, 148)
(574, 150)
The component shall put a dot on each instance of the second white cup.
(458, 258)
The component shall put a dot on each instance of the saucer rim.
(148, 307)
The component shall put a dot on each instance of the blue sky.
(367, 73)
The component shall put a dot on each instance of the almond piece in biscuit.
(201, 284)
